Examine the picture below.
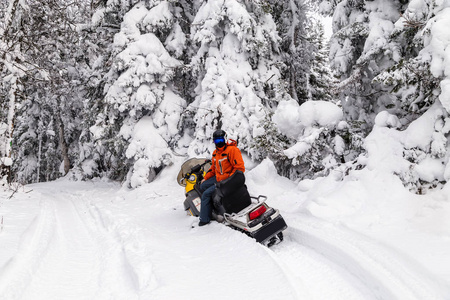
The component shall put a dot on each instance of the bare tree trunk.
(7, 161)
(38, 176)
(11, 115)
(64, 149)
(62, 140)
(292, 84)
(13, 84)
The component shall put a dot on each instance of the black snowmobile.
(232, 203)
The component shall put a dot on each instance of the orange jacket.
(225, 161)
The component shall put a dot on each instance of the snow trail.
(70, 248)
(321, 277)
(186, 260)
(98, 241)
(383, 273)
(17, 273)
(68, 253)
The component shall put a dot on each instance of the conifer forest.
(119, 88)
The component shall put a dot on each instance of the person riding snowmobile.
(226, 160)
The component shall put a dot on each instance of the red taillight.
(257, 212)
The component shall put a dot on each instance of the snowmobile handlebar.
(197, 168)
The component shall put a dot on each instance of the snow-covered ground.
(361, 238)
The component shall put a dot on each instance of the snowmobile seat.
(231, 194)
(237, 201)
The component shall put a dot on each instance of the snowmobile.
(232, 204)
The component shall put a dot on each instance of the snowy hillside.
(361, 238)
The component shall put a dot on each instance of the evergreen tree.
(236, 66)
(419, 81)
(12, 68)
(140, 93)
(306, 73)
(48, 118)
(321, 80)
(360, 49)
(297, 50)
(97, 156)
(411, 78)
(399, 69)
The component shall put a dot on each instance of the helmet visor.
(219, 140)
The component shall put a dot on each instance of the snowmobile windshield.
(187, 166)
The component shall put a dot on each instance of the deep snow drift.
(361, 238)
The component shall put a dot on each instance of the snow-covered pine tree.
(99, 157)
(420, 81)
(360, 49)
(47, 121)
(321, 80)
(12, 68)
(236, 64)
(308, 77)
(296, 49)
(412, 79)
(402, 69)
(138, 126)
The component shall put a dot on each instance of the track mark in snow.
(18, 271)
(126, 246)
(322, 279)
(384, 274)
(72, 251)
(70, 264)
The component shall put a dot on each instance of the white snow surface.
(365, 237)
(291, 118)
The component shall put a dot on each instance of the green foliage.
(321, 80)
(271, 142)
(414, 85)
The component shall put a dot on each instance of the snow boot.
(201, 223)
(217, 217)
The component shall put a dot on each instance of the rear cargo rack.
(259, 200)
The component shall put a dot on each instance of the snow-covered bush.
(319, 137)
(418, 155)
(148, 150)
(149, 146)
